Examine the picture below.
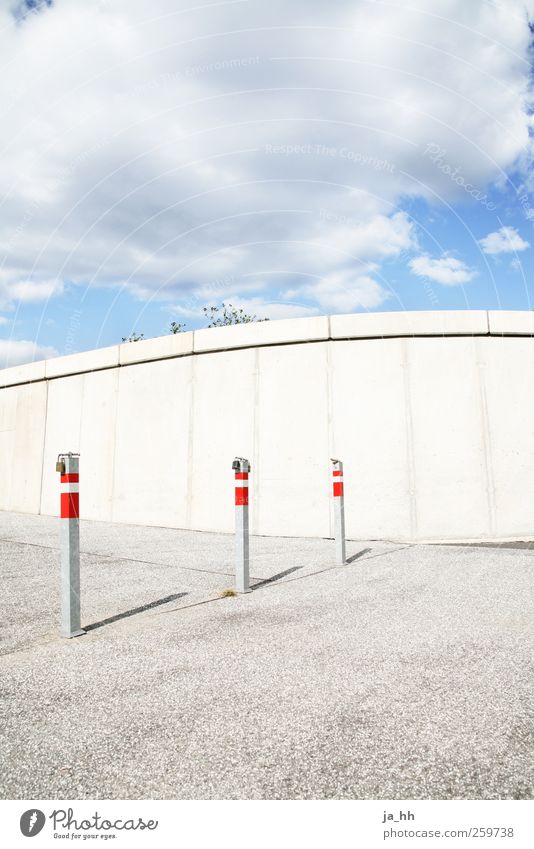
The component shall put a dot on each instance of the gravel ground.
(406, 674)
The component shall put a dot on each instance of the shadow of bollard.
(276, 577)
(134, 611)
(358, 555)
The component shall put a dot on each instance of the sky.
(291, 158)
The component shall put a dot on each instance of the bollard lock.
(60, 465)
(240, 465)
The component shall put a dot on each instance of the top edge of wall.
(431, 323)
(286, 331)
(160, 348)
(256, 333)
(27, 373)
(96, 360)
(511, 322)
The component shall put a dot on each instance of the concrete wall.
(432, 414)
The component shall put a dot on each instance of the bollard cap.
(240, 464)
(60, 464)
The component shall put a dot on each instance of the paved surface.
(407, 673)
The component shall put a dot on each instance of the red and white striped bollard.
(241, 467)
(339, 511)
(69, 467)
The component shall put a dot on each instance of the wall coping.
(379, 325)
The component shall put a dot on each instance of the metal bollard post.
(242, 579)
(68, 465)
(339, 511)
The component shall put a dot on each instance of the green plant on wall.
(220, 316)
(133, 337)
(228, 314)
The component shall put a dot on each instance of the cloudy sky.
(293, 158)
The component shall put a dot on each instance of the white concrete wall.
(432, 414)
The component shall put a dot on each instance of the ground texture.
(406, 674)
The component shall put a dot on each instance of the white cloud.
(364, 242)
(28, 291)
(252, 306)
(14, 289)
(505, 240)
(14, 352)
(160, 146)
(275, 310)
(446, 270)
(343, 291)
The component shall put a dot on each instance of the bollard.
(339, 511)
(242, 578)
(68, 466)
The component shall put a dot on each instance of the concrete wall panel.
(222, 428)
(369, 433)
(97, 443)
(293, 485)
(7, 453)
(28, 443)
(151, 443)
(508, 370)
(63, 432)
(22, 423)
(451, 489)
(8, 424)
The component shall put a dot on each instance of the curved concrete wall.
(432, 414)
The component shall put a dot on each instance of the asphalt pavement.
(405, 674)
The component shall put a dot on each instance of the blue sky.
(293, 159)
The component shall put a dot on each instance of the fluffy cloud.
(446, 270)
(162, 147)
(16, 352)
(260, 307)
(27, 291)
(505, 240)
(343, 291)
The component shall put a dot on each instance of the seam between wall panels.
(115, 444)
(329, 424)
(84, 384)
(256, 500)
(9, 504)
(113, 453)
(410, 449)
(330, 432)
(480, 366)
(190, 445)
